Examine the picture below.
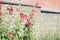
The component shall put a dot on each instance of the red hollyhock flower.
(10, 34)
(0, 13)
(23, 16)
(16, 9)
(9, 8)
(0, 2)
(29, 22)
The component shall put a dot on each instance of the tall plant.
(16, 27)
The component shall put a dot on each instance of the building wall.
(47, 23)
(44, 3)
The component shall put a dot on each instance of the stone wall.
(47, 22)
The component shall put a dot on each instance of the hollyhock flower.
(9, 8)
(23, 16)
(32, 14)
(0, 13)
(33, 10)
(37, 3)
(10, 34)
(0, 2)
(29, 22)
(16, 9)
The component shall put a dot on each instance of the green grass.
(50, 36)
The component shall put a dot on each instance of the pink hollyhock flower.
(29, 22)
(16, 9)
(33, 10)
(23, 16)
(0, 13)
(32, 14)
(9, 8)
(10, 34)
(37, 3)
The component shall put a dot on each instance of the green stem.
(3, 37)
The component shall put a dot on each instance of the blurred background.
(47, 24)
